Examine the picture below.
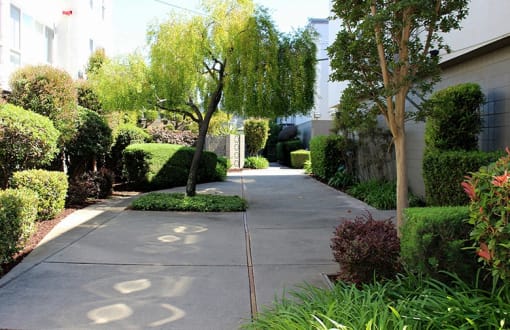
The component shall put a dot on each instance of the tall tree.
(232, 56)
(388, 48)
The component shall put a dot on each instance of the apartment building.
(62, 33)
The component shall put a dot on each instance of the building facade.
(60, 33)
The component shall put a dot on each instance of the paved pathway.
(107, 267)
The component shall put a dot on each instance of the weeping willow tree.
(232, 56)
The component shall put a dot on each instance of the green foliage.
(124, 135)
(342, 179)
(489, 192)
(86, 96)
(298, 158)
(89, 185)
(408, 302)
(18, 211)
(47, 91)
(328, 153)
(153, 166)
(307, 166)
(96, 61)
(353, 116)
(92, 142)
(284, 148)
(443, 172)
(256, 132)
(222, 166)
(434, 240)
(165, 135)
(50, 186)
(366, 249)
(459, 104)
(220, 124)
(256, 162)
(270, 148)
(379, 194)
(197, 203)
(27, 140)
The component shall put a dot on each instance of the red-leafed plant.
(489, 192)
(366, 249)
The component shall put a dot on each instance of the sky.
(131, 17)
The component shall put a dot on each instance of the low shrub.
(489, 192)
(223, 164)
(89, 185)
(165, 135)
(50, 186)
(256, 132)
(380, 194)
(444, 171)
(18, 212)
(328, 153)
(342, 179)
(151, 166)
(366, 249)
(434, 240)
(298, 158)
(270, 149)
(197, 203)
(123, 136)
(283, 150)
(307, 166)
(256, 162)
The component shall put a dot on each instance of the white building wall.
(40, 33)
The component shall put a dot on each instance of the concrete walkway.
(107, 267)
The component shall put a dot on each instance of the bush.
(256, 133)
(489, 192)
(181, 202)
(298, 158)
(18, 211)
(342, 179)
(434, 240)
(89, 185)
(153, 166)
(222, 166)
(91, 143)
(444, 171)
(366, 249)
(380, 194)
(307, 166)
(124, 135)
(164, 135)
(257, 162)
(86, 96)
(284, 148)
(47, 91)
(270, 149)
(328, 153)
(50, 186)
(458, 104)
(27, 140)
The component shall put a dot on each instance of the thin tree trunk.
(402, 180)
(191, 185)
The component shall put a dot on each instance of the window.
(49, 35)
(91, 46)
(15, 27)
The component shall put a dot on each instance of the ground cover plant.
(256, 162)
(198, 203)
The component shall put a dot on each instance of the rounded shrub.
(366, 249)
(124, 135)
(256, 162)
(18, 212)
(256, 132)
(50, 186)
(89, 185)
(329, 153)
(298, 158)
(27, 140)
(86, 96)
(284, 148)
(48, 91)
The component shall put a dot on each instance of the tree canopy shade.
(386, 49)
(232, 57)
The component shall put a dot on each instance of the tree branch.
(180, 111)
(195, 109)
(431, 28)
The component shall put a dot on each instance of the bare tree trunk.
(402, 180)
(191, 185)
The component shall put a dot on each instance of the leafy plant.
(197, 203)
(328, 153)
(366, 249)
(256, 132)
(298, 158)
(18, 211)
(489, 192)
(89, 185)
(341, 179)
(256, 162)
(86, 96)
(165, 135)
(284, 148)
(380, 194)
(50, 186)
(307, 166)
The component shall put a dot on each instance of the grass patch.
(179, 202)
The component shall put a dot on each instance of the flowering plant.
(489, 192)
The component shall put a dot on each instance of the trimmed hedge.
(27, 140)
(298, 158)
(256, 132)
(434, 240)
(151, 166)
(123, 136)
(328, 153)
(444, 171)
(18, 211)
(284, 148)
(50, 186)
(256, 162)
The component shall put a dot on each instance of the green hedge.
(283, 150)
(256, 132)
(256, 162)
(50, 186)
(151, 166)
(434, 240)
(18, 211)
(443, 172)
(123, 136)
(298, 158)
(328, 153)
